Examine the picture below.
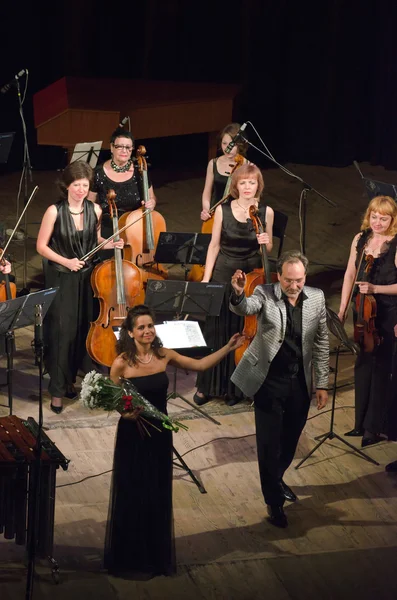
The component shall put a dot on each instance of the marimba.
(18, 471)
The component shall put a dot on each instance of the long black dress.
(140, 529)
(375, 402)
(68, 319)
(239, 250)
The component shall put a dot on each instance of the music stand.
(182, 248)
(377, 188)
(15, 314)
(6, 140)
(87, 152)
(178, 297)
(336, 328)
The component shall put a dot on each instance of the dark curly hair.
(126, 344)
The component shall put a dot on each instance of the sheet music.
(180, 334)
(86, 150)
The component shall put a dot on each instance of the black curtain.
(318, 79)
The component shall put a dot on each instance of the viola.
(117, 283)
(256, 277)
(365, 332)
(142, 237)
(196, 273)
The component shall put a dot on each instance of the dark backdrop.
(318, 78)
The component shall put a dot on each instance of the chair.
(279, 227)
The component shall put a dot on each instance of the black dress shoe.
(277, 516)
(71, 393)
(288, 493)
(355, 433)
(391, 467)
(232, 400)
(200, 400)
(56, 409)
(370, 441)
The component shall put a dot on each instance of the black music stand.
(377, 188)
(87, 152)
(15, 314)
(182, 249)
(337, 329)
(183, 297)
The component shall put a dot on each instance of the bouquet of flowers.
(98, 391)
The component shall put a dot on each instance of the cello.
(141, 238)
(196, 273)
(117, 283)
(256, 277)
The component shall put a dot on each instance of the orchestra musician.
(119, 174)
(69, 229)
(373, 370)
(234, 245)
(219, 169)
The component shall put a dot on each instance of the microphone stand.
(26, 173)
(305, 188)
(35, 500)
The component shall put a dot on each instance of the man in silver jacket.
(276, 369)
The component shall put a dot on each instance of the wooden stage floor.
(341, 542)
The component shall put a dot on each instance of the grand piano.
(77, 109)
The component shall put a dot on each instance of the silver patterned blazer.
(267, 303)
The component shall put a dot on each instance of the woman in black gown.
(375, 402)
(234, 245)
(219, 169)
(140, 532)
(119, 174)
(69, 229)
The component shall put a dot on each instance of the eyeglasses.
(120, 147)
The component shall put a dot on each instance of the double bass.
(196, 273)
(142, 237)
(256, 277)
(117, 283)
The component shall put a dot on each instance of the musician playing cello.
(69, 229)
(378, 239)
(276, 369)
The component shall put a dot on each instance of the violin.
(117, 283)
(196, 273)
(365, 332)
(8, 289)
(141, 239)
(256, 277)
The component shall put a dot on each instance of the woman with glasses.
(119, 174)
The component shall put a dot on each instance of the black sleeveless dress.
(376, 373)
(239, 250)
(220, 181)
(140, 529)
(67, 321)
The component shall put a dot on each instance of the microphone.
(234, 140)
(38, 326)
(123, 122)
(9, 85)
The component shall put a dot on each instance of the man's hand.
(322, 398)
(239, 280)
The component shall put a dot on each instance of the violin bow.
(32, 195)
(115, 234)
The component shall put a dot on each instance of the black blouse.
(128, 195)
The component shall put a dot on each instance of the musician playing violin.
(373, 370)
(219, 169)
(69, 229)
(234, 245)
(119, 174)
